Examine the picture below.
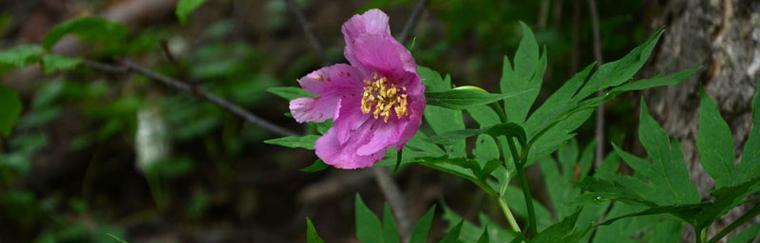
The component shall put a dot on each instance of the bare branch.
(411, 23)
(310, 36)
(128, 66)
(599, 61)
(395, 199)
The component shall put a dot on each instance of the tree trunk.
(723, 38)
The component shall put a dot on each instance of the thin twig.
(391, 190)
(543, 15)
(310, 36)
(128, 66)
(599, 61)
(411, 23)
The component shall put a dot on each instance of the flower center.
(385, 97)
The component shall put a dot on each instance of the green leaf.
(558, 232)
(686, 212)
(661, 80)
(503, 129)
(484, 237)
(525, 78)
(561, 190)
(715, 145)
(484, 115)
(368, 226)
(442, 120)
(619, 71)
(653, 228)
(20, 56)
(471, 232)
(670, 177)
(87, 29)
(306, 141)
(311, 233)
(750, 165)
(461, 98)
(422, 228)
(289, 93)
(10, 105)
(390, 233)
(318, 165)
(186, 7)
(52, 63)
(558, 103)
(453, 235)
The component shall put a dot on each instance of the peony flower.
(376, 102)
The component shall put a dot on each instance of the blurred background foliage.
(76, 169)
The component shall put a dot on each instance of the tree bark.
(723, 38)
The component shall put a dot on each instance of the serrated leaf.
(558, 103)
(715, 144)
(368, 226)
(20, 56)
(460, 99)
(87, 29)
(621, 70)
(306, 141)
(562, 193)
(390, 233)
(318, 165)
(289, 93)
(668, 168)
(422, 228)
(526, 76)
(52, 63)
(311, 233)
(10, 105)
(186, 7)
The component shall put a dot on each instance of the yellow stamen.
(385, 97)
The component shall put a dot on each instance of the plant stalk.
(520, 168)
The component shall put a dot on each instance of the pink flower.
(375, 103)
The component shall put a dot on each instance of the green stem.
(520, 168)
(731, 227)
(701, 234)
(508, 214)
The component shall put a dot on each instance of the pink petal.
(393, 61)
(332, 80)
(383, 136)
(366, 34)
(313, 109)
(412, 123)
(374, 22)
(330, 84)
(344, 156)
(350, 118)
